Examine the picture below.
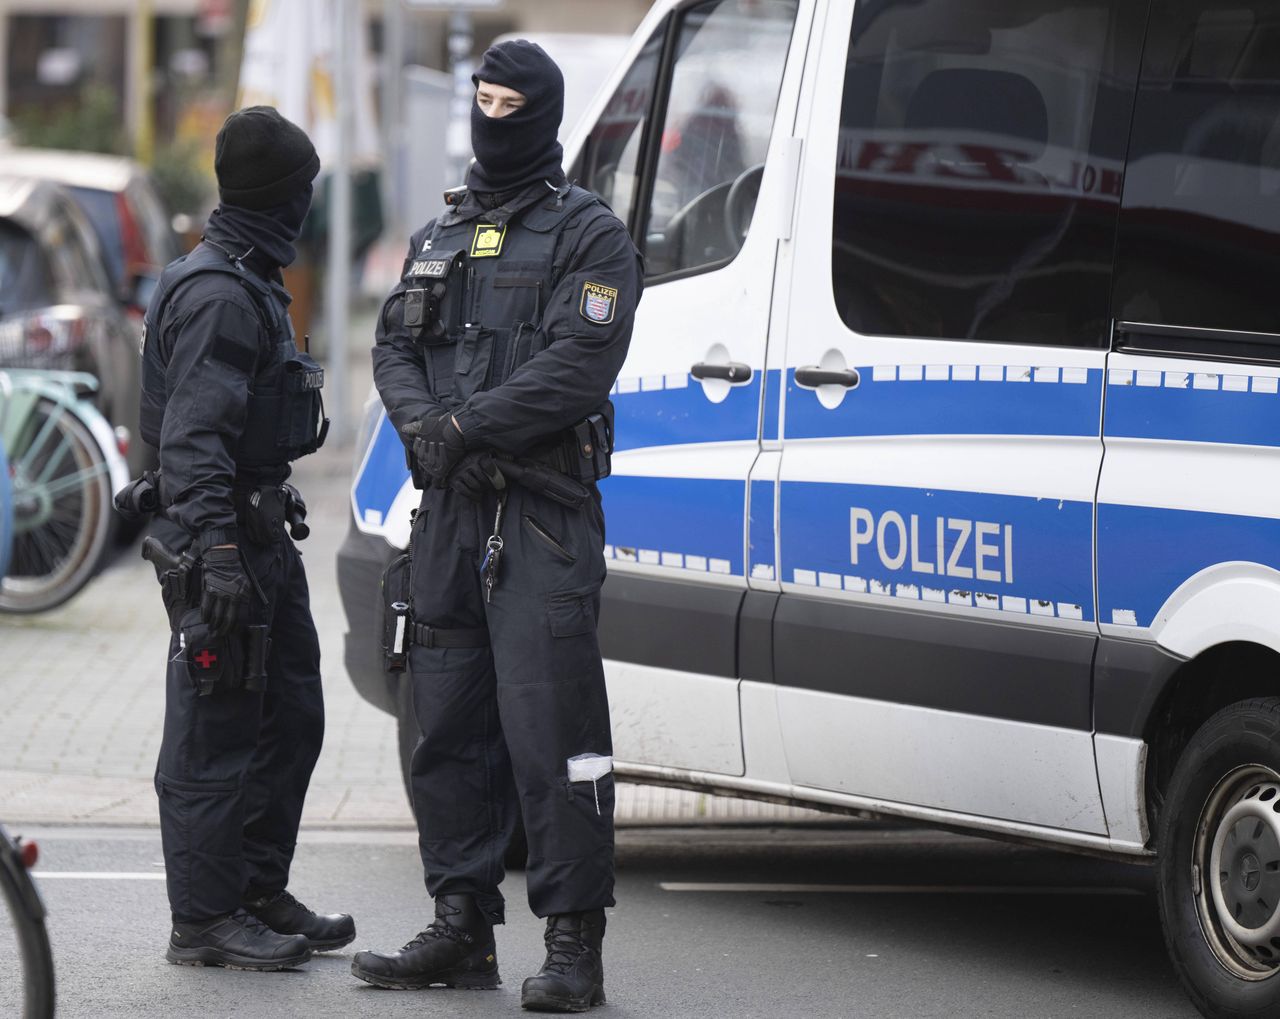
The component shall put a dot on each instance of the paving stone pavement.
(82, 689)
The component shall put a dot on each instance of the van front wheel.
(1219, 866)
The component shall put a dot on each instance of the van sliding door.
(942, 405)
(1189, 501)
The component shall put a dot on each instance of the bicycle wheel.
(61, 509)
(22, 921)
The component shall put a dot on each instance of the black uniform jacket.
(212, 339)
(571, 376)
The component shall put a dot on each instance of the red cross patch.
(206, 659)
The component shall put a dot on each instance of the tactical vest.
(475, 293)
(285, 416)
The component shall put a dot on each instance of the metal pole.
(138, 72)
(393, 125)
(4, 58)
(458, 137)
(338, 276)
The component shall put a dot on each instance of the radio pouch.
(397, 621)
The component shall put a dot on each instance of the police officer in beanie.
(495, 357)
(229, 401)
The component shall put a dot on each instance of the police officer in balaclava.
(229, 401)
(495, 357)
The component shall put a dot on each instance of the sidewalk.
(83, 689)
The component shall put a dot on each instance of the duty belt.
(434, 636)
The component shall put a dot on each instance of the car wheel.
(517, 853)
(1219, 867)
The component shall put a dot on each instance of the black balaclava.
(520, 148)
(265, 165)
(266, 234)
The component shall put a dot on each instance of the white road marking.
(96, 875)
(732, 886)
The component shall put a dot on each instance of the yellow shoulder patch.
(487, 242)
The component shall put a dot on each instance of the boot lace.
(440, 928)
(564, 948)
(250, 922)
(288, 899)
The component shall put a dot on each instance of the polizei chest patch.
(597, 303)
(487, 242)
(433, 268)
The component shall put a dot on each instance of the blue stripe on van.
(383, 474)
(948, 407)
(762, 550)
(1193, 415)
(682, 517)
(1051, 544)
(672, 417)
(1146, 553)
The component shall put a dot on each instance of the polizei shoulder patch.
(597, 303)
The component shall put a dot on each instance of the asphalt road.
(853, 920)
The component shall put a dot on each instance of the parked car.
(58, 310)
(948, 438)
(135, 230)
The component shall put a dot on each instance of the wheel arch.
(1217, 676)
(1225, 603)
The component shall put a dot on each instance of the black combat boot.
(572, 978)
(286, 915)
(237, 941)
(455, 951)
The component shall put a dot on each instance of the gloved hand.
(475, 474)
(225, 589)
(437, 445)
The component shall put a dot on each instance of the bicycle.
(64, 467)
(27, 915)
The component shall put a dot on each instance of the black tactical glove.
(225, 589)
(437, 445)
(475, 474)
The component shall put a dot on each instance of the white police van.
(948, 470)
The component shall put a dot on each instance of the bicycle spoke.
(50, 551)
(68, 482)
(67, 445)
(31, 557)
(50, 423)
(64, 531)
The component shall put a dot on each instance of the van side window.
(1200, 226)
(719, 115)
(979, 168)
(609, 164)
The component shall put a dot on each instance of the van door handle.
(812, 375)
(734, 371)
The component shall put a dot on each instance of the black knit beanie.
(521, 147)
(261, 159)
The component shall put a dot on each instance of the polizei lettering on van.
(956, 547)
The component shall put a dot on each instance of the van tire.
(1228, 768)
(517, 854)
